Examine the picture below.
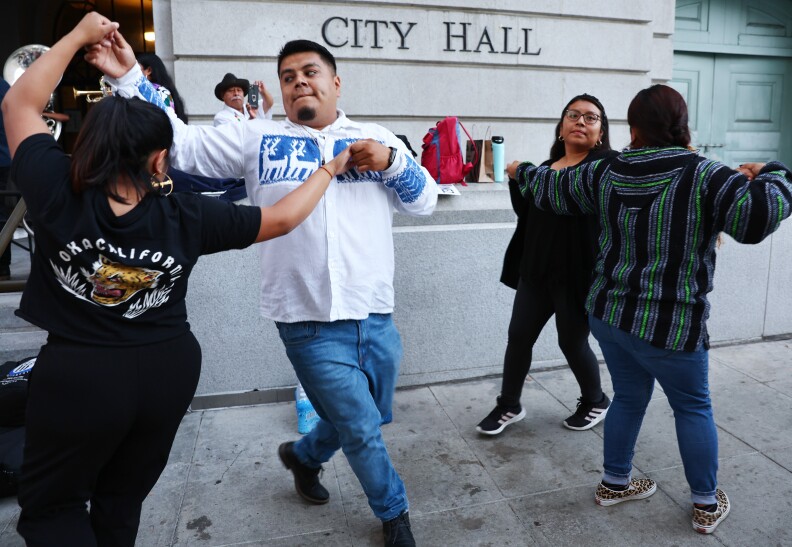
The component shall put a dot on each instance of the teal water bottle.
(306, 414)
(498, 162)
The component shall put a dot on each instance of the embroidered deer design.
(296, 165)
(275, 168)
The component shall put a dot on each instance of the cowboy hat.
(229, 80)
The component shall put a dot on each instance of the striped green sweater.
(660, 212)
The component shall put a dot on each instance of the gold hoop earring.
(165, 186)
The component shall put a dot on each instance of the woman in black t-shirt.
(550, 261)
(108, 282)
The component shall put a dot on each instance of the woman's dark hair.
(160, 76)
(658, 116)
(116, 139)
(558, 149)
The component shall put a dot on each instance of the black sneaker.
(588, 415)
(306, 479)
(397, 531)
(501, 416)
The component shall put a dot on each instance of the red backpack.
(441, 154)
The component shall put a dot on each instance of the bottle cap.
(497, 139)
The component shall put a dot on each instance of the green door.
(736, 105)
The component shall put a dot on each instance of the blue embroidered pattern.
(285, 158)
(353, 175)
(409, 184)
(150, 94)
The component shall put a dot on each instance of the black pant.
(533, 307)
(100, 425)
(5, 211)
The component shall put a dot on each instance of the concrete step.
(18, 338)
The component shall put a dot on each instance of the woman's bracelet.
(327, 171)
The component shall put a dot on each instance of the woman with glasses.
(549, 261)
(660, 207)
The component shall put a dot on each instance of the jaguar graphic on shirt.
(101, 278)
(114, 283)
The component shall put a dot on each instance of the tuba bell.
(16, 64)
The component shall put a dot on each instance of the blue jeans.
(634, 365)
(349, 370)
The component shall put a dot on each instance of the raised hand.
(114, 56)
(266, 96)
(94, 28)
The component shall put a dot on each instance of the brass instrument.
(16, 64)
(94, 95)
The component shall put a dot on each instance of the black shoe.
(397, 531)
(588, 415)
(501, 416)
(306, 479)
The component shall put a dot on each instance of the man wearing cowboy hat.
(232, 91)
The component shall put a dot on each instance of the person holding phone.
(232, 91)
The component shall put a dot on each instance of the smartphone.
(253, 96)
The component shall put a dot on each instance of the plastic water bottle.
(306, 414)
(498, 162)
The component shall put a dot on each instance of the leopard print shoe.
(638, 490)
(705, 522)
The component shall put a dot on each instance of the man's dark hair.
(659, 116)
(558, 150)
(302, 46)
(116, 139)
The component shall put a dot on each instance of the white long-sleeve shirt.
(228, 114)
(339, 263)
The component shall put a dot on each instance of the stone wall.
(450, 308)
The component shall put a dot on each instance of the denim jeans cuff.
(616, 478)
(704, 499)
(302, 456)
(394, 512)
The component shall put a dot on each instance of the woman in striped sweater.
(660, 208)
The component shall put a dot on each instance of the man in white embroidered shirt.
(232, 92)
(328, 284)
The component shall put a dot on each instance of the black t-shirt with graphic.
(101, 279)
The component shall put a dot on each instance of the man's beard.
(306, 114)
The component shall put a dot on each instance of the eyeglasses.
(589, 119)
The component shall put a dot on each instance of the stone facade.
(505, 67)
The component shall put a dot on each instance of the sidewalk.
(533, 485)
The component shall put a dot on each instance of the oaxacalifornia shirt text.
(339, 263)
